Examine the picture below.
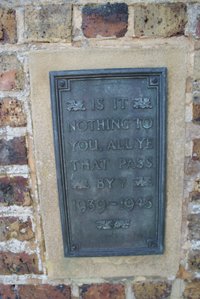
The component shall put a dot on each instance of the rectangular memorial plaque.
(109, 133)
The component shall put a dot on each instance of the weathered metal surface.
(109, 134)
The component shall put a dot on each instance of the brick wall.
(30, 25)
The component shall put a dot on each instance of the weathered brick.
(18, 263)
(198, 28)
(193, 26)
(152, 290)
(13, 151)
(8, 292)
(196, 149)
(195, 196)
(11, 113)
(102, 291)
(11, 72)
(194, 260)
(14, 191)
(196, 109)
(183, 273)
(196, 86)
(12, 227)
(44, 292)
(192, 290)
(197, 185)
(160, 20)
(8, 27)
(48, 23)
(194, 226)
(192, 167)
(105, 20)
(196, 113)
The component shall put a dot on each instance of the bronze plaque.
(109, 134)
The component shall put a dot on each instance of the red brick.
(11, 72)
(13, 227)
(44, 292)
(102, 291)
(196, 149)
(18, 263)
(105, 20)
(13, 151)
(8, 26)
(14, 191)
(152, 290)
(8, 292)
(192, 290)
(11, 113)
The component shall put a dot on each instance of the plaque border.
(59, 81)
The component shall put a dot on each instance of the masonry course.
(152, 289)
(14, 191)
(15, 228)
(8, 26)
(102, 291)
(160, 20)
(52, 23)
(13, 151)
(11, 72)
(11, 113)
(20, 263)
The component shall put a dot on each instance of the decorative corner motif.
(154, 81)
(76, 106)
(142, 103)
(82, 184)
(113, 224)
(74, 247)
(152, 243)
(64, 84)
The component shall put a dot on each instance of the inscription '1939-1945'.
(110, 157)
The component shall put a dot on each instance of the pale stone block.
(175, 58)
(47, 23)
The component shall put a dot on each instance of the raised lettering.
(133, 163)
(100, 206)
(84, 145)
(105, 183)
(108, 124)
(120, 103)
(97, 104)
(145, 123)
